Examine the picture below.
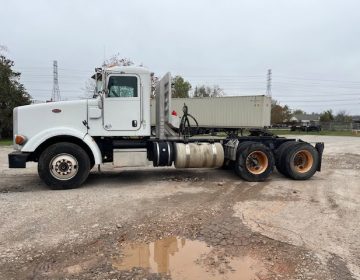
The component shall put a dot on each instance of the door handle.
(134, 123)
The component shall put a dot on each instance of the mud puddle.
(188, 259)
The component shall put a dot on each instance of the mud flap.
(320, 149)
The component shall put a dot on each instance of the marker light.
(20, 139)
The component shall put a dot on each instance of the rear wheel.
(279, 155)
(255, 162)
(301, 161)
(64, 166)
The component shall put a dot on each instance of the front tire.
(64, 166)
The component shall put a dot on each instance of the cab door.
(122, 103)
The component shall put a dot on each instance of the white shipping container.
(224, 112)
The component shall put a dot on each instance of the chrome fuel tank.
(199, 155)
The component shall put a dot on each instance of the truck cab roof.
(124, 70)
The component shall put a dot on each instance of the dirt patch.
(345, 161)
(283, 229)
(220, 247)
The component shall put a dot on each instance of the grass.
(323, 132)
(6, 142)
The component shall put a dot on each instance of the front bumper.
(18, 159)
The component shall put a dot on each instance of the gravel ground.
(292, 229)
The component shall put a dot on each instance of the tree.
(114, 60)
(342, 116)
(299, 112)
(279, 114)
(327, 116)
(217, 91)
(89, 88)
(117, 60)
(200, 92)
(12, 93)
(206, 91)
(181, 87)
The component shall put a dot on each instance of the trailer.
(67, 139)
(239, 112)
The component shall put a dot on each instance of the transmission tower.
(56, 91)
(268, 87)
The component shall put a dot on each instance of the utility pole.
(56, 91)
(269, 79)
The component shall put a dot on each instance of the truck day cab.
(68, 138)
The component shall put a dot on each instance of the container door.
(122, 105)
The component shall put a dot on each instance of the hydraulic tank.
(199, 155)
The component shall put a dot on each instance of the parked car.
(307, 128)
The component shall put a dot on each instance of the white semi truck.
(68, 138)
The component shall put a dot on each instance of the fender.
(94, 148)
(38, 139)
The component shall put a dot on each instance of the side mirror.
(101, 99)
(97, 93)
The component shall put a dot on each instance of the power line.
(321, 106)
(321, 101)
(46, 90)
(203, 76)
(317, 95)
(314, 79)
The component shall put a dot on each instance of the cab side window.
(123, 86)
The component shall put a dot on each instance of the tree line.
(181, 88)
(12, 94)
(283, 114)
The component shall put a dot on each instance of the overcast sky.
(312, 46)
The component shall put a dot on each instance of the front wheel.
(64, 166)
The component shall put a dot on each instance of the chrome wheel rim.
(63, 167)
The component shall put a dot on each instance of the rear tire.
(64, 166)
(254, 162)
(301, 161)
(279, 156)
